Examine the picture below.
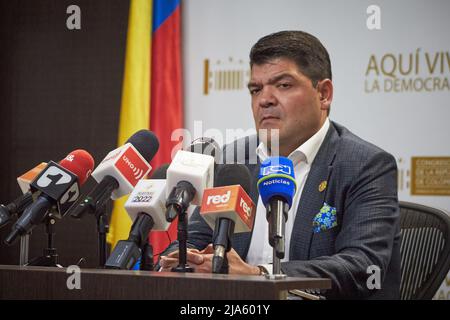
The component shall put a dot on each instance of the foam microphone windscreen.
(232, 174)
(80, 163)
(161, 172)
(146, 143)
(208, 146)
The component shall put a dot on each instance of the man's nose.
(267, 98)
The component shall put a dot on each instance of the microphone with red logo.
(19, 204)
(120, 171)
(58, 186)
(228, 209)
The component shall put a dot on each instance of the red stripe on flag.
(166, 102)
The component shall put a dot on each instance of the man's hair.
(304, 49)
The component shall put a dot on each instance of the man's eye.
(254, 91)
(284, 85)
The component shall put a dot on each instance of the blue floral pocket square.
(325, 219)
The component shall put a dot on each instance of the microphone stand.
(147, 257)
(24, 249)
(223, 231)
(277, 213)
(96, 203)
(50, 257)
(177, 204)
(225, 268)
(182, 243)
(102, 229)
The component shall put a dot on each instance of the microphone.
(190, 184)
(228, 209)
(161, 172)
(120, 171)
(19, 204)
(15, 207)
(58, 186)
(146, 208)
(277, 186)
(25, 179)
(187, 176)
(208, 146)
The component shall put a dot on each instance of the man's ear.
(325, 88)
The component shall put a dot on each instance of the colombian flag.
(151, 94)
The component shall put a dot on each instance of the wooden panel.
(50, 283)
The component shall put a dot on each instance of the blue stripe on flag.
(162, 9)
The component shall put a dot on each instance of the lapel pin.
(322, 186)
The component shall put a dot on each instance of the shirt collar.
(306, 152)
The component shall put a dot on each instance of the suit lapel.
(312, 199)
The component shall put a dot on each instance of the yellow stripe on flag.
(135, 107)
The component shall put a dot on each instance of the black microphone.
(127, 252)
(58, 185)
(207, 146)
(15, 207)
(161, 172)
(119, 172)
(179, 199)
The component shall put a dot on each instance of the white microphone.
(126, 165)
(187, 176)
(120, 171)
(149, 198)
(146, 208)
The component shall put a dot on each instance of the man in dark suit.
(344, 221)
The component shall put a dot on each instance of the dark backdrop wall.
(60, 90)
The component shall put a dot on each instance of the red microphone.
(79, 162)
(228, 210)
(58, 186)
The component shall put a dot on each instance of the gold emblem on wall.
(430, 176)
(225, 75)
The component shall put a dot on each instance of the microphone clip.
(179, 200)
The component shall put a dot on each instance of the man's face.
(283, 98)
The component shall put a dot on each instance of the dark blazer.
(362, 186)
